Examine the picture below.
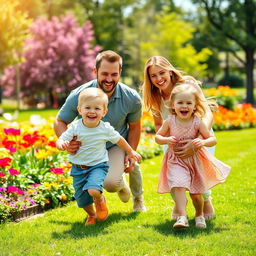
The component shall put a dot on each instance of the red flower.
(5, 162)
(52, 144)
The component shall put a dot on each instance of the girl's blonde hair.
(93, 93)
(151, 94)
(200, 109)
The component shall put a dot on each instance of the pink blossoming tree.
(58, 57)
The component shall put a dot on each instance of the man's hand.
(73, 146)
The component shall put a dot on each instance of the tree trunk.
(249, 66)
(17, 70)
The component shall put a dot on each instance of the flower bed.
(34, 172)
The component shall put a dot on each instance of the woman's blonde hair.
(93, 93)
(151, 94)
(200, 109)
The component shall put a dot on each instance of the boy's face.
(92, 111)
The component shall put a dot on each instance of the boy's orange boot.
(91, 220)
(101, 209)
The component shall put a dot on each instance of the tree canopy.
(58, 56)
(14, 27)
(236, 22)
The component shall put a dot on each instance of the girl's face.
(161, 78)
(92, 111)
(184, 105)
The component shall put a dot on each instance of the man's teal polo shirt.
(123, 107)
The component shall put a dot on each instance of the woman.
(160, 77)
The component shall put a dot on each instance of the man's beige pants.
(115, 179)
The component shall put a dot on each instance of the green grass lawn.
(124, 233)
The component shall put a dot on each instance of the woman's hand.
(186, 150)
(198, 143)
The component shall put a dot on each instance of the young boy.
(90, 163)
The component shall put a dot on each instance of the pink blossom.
(12, 150)
(2, 175)
(16, 190)
(57, 171)
(12, 131)
(13, 171)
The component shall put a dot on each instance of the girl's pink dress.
(197, 173)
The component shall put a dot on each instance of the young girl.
(160, 77)
(90, 163)
(196, 173)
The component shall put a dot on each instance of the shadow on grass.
(78, 230)
(166, 229)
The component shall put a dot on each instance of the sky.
(185, 4)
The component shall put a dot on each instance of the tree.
(236, 21)
(58, 57)
(14, 27)
(172, 40)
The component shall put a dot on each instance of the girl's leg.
(181, 203)
(198, 203)
(180, 200)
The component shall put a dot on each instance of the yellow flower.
(42, 153)
(4, 153)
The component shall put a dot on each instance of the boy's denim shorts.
(84, 179)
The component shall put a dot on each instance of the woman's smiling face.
(161, 78)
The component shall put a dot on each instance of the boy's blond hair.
(93, 93)
(188, 88)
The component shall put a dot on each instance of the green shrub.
(232, 80)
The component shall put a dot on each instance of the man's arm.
(134, 134)
(133, 140)
(60, 127)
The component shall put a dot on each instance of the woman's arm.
(208, 117)
(158, 121)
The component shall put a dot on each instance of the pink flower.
(35, 185)
(2, 175)
(16, 190)
(12, 189)
(57, 171)
(12, 131)
(13, 171)
(12, 149)
(2, 189)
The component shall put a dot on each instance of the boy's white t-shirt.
(93, 148)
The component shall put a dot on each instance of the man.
(124, 114)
